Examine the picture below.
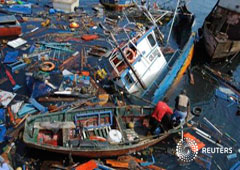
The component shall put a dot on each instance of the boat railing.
(173, 58)
(116, 60)
(155, 83)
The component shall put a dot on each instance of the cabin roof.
(232, 5)
(7, 19)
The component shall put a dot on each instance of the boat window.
(129, 80)
(151, 40)
(154, 55)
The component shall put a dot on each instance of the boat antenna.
(150, 18)
(174, 16)
(123, 55)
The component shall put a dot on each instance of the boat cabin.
(9, 26)
(145, 57)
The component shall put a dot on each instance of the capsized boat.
(117, 5)
(143, 67)
(221, 30)
(96, 132)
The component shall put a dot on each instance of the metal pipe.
(210, 140)
(214, 127)
(202, 132)
(173, 21)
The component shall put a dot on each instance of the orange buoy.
(74, 25)
(47, 66)
(198, 142)
(97, 138)
(130, 55)
(89, 37)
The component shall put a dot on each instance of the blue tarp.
(3, 131)
(40, 89)
(31, 49)
(26, 109)
(2, 116)
(38, 106)
(37, 88)
(233, 98)
(10, 57)
(21, 9)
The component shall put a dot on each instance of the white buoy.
(114, 136)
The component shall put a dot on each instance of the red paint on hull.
(10, 31)
(101, 153)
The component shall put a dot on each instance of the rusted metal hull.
(219, 48)
(101, 153)
(221, 33)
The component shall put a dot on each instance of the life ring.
(47, 66)
(131, 58)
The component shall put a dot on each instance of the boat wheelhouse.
(153, 69)
(146, 59)
(117, 4)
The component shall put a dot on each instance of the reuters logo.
(187, 150)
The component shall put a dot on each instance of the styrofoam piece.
(65, 5)
(6, 97)
(16, 43)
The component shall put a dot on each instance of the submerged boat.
(96, 132)
(221, 30)
(147, 69)
(9, 26)
(117, 5)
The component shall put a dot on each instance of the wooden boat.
(9, 26)
(117, 5)
(87, 133)
(221, 33)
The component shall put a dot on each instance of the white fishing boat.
(143, 67)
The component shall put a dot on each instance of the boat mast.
(174, 16)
